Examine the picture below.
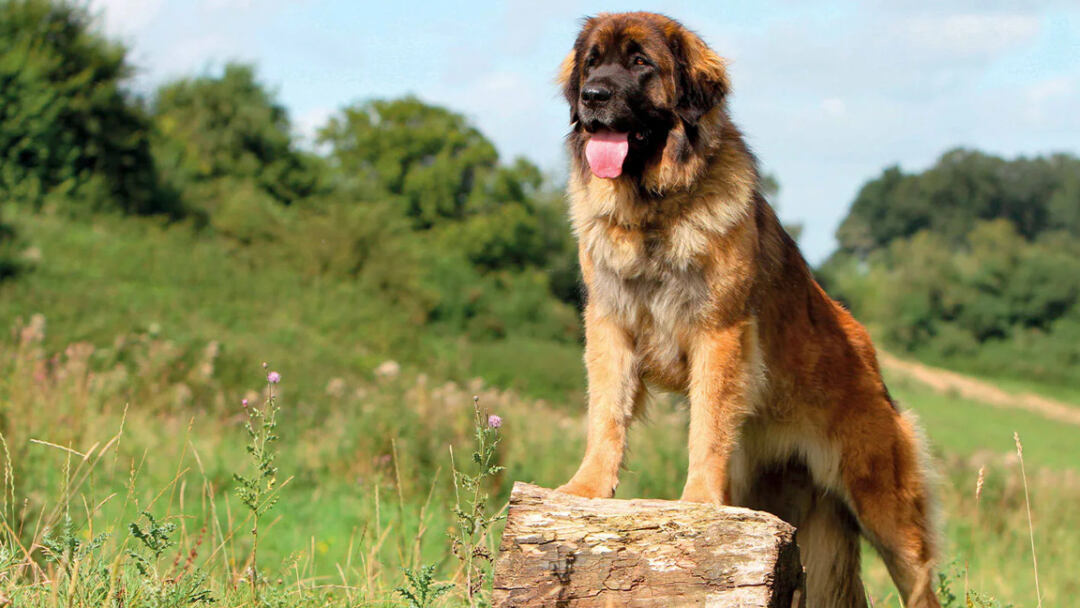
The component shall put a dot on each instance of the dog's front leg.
(723, 371)
(615, 390)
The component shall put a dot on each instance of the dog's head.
(630, 80)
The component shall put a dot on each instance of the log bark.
(565, 551)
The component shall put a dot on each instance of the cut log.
(565, 551)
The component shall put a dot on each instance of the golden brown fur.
(693, 286)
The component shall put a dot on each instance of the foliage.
(472, 535)
(1036, 195)
(422, 590)
(428, 156)
(9, 256)
(210, 128)
(446, 178)
(368, 498)
(81, 564)
(406, 238)
(488, 247)
(952, 577)
(171, 588)
(154, 539)
(259, 491)
(972, 264)
(410, 202)
(70, 135)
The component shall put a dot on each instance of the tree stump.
(561, 550)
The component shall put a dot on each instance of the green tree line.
(408, 198)
(974, 262)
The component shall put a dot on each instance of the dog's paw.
(584, 490)
(702, 493)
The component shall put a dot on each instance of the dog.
(693, 286)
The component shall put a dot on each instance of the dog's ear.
(570, 81)
(701, 80)
(570, 71)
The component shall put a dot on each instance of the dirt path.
(945, 381)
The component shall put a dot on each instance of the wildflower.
(273, 377)
(494, 421)
(265, 365)
(244, 402)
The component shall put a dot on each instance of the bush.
(70, 135)
(998, 303)
(1036, 195)
(228, 127)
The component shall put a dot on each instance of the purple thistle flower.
(273, 377)
(243, 402)
(494, 421)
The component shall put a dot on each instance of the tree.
(963, 187)
(68, 129)
(972, 262)
(446, 177)
(492, 240)
(428, 156)
(212, 128)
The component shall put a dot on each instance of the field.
(121, 388)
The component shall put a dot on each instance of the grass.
(1067, 394)
(369, 489)
(125, 398)
(106, 276)
(966, 428)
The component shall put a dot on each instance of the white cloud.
(966, 35)
(514, 111)
(1050, 102)
(126, 17)
(834, 107)
(939, 6)
(307, 124)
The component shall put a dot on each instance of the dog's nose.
(595, 93)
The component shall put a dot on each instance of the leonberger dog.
(693, 286)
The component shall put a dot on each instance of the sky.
(828, 93)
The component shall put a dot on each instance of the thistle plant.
(154, 539)
(258, 491)
(422, 590)
(83, 573)
(164, 589)
(469, 539)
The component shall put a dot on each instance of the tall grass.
(142, 431)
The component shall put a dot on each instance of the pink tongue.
(606, 152)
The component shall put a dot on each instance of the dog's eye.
(591, 61)
(639, 60)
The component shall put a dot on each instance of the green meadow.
(240, 371)
(122, 394)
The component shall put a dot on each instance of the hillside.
(240, 371)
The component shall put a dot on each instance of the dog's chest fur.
(644, 277)
(650, 271)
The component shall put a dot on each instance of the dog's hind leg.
(888, 483)
(828, 539)
(826, 531)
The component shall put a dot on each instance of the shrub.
(70, 135)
